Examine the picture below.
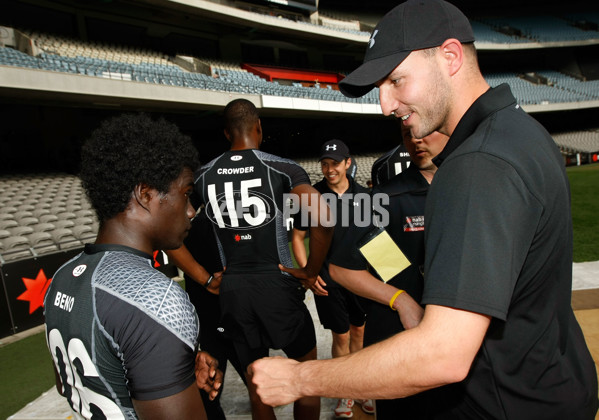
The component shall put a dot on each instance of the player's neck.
(428, 174)
(244, 143)
(119, 232)
(341, 187)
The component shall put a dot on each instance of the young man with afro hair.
(122, 335)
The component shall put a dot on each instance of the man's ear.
(227, 135)
(347, 163)
(143, 195)
(453, 54)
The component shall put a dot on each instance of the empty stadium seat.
(48, 218)
(39, 239)
(64, 238)
(8, 223)
(40, 211)
(28, 221)
(82, 213)
(85, 233)
(14, 243)
(44, 227)
(20, 230)
(63, 223)
(83, 220)
(8, 209)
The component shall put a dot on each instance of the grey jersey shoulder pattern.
(133, 279)
(288, 168)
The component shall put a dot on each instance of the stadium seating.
(59, 218)
(486, 33)
(129, 64)
(530, 93)
(544, 29)
(578, 141)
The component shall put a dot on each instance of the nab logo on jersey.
(236, 158)
(242, 238)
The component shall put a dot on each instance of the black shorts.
(339, 309)
(303, 344)
(261, 311)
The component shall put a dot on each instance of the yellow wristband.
(392, 301)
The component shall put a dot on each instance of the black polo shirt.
(499, 243)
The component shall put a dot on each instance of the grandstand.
(65, 66)
(43, 213)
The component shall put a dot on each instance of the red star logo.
(36, 290)
(237, 238)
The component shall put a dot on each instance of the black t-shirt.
(244, 193)
(499, 243)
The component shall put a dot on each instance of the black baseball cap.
(413, 25)
(334, 149)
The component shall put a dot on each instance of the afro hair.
(129, 150)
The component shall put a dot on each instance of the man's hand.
(275, 380)
(308, 280)
(214, 286)
(318, 288)
(410, 312)
(208, 376)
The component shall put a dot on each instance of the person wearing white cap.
(498, 320)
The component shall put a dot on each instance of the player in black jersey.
(123, 336)
(262, 306)
(390, 164)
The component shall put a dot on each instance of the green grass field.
(26, 372)
(26, 369)
(584, 184)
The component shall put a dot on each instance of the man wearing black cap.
(498, 268)
(338, 309)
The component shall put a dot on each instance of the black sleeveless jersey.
(392, 163)
(244, 194)
(118, 329)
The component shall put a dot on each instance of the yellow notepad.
(383, 254)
